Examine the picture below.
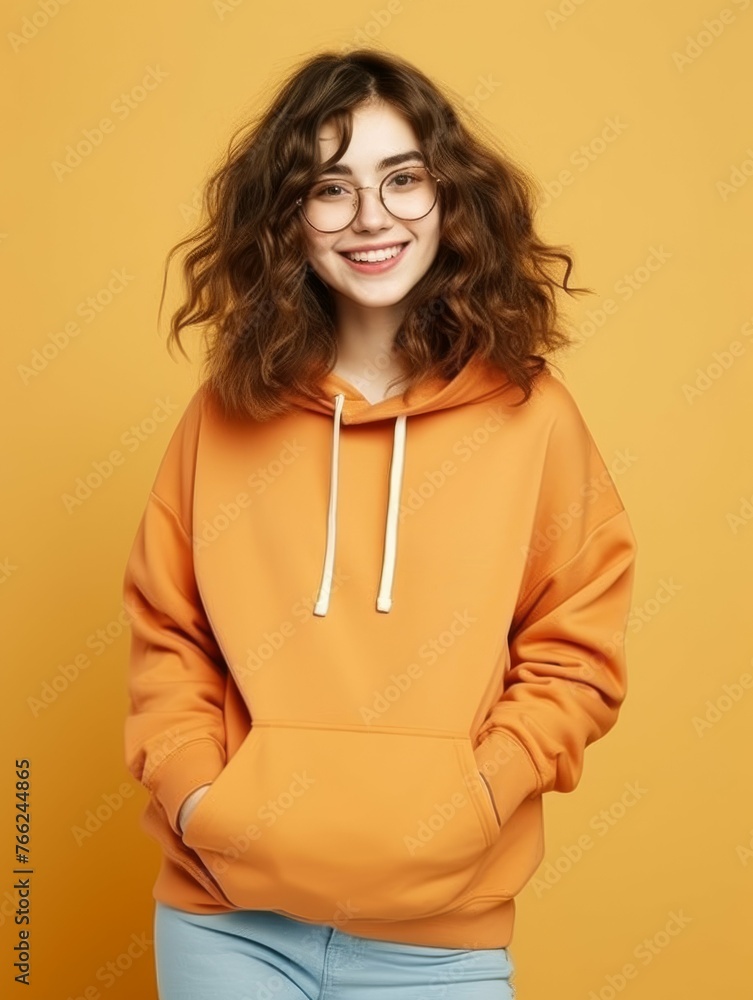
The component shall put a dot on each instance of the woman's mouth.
(374, 261)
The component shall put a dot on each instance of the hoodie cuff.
(507, 767)
(194, 764)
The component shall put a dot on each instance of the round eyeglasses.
(408, 194)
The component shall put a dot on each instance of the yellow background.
(545, 79)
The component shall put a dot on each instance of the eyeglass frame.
(372, 187)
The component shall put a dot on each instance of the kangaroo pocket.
(314, 822)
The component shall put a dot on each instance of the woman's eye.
(404, 179)
(331, 191)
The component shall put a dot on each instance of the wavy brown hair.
(269, 319)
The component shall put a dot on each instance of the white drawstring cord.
(384, 598)
(322, 598)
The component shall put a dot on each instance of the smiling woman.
(371, 243)
(355, 137)
(369, 668)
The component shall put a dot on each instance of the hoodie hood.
(476, 382)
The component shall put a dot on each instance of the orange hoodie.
(381, 632)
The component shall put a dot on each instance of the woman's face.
(379, 131)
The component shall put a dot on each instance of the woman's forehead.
(381, 139)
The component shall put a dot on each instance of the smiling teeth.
(375, 255)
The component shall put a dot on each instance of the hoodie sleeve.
(174, 729)
(566, 678)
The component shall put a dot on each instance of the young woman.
(380, 586)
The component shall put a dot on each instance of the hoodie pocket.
(380, 824)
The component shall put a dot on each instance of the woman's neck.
(370, 381)
(365, 353)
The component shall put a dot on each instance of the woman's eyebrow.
(389, 161)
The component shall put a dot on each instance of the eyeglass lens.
(408, 193)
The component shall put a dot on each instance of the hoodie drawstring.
(384, 597)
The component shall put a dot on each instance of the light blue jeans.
(262, 955)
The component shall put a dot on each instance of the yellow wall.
(663, 376)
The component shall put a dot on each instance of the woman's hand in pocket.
(190, 804)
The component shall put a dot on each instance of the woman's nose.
(371, 211)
